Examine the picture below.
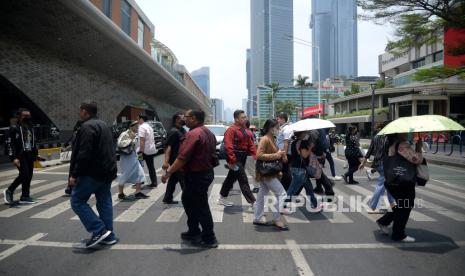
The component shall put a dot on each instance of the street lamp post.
(373, 88)
(310, 44)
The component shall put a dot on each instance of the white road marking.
(445, 199)
(247, 210)
(173, 213)
(20, 245)
(140, 206)
(33, 190)
(455, 186)
(445, 191)
(415, 215)
(334, 217)
(22, 208)
(299, 259)
(346, 200)
(7, 182)
(52, 168)
(296, 217)
(57, 209)
(216, 209)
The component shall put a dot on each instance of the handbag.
(398, 171)
(422, 173)
(269, 168)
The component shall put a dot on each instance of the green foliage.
(301, 81)
(380, 84)
(288, 107)
(438, 73)
(354, 89)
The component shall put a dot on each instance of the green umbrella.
(423, 123)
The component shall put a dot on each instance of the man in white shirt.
(147, 148)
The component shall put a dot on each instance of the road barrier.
(49, 157)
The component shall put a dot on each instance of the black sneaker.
(151, 186)
(171, 202)
(67, 192)
(140, 195)
(96, 238)
(353, 182)
(189, 236)
(7, 196)
(345, 178)
(122, 196)
(110, 240)
(213, 243)
(26, 200)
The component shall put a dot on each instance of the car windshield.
(217, 130)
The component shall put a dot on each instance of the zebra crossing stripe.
(445, 199)
(174, 212)
(445, 191)
(7, 182)
(216, 209)
(57, 209)
(346, 200)
(33, 190)
(295, 217)
(453, 186)
(141, 206)
(414, 215)
(22, 208)
(335, 217)
(247, 211)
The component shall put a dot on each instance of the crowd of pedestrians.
(286, 163)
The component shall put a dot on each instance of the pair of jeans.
(299, 179)
(241, 176)
(195, 201)
(151, 168)
(379, 190)
(171, 185)
(85, 187)
(329, 157)
(354, 162)
(405, 200)
(26, 170)
(277, 188)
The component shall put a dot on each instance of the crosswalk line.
(141, 206)
(22, 208)
(56, 210)
(445, 199)
(5, 183)
(414, 215)
(216, 209)
(173, 213)
(33, 190)
(333, 216)
(295, 217)
(247, 210)
(445, 191)
(346, 200)
(452, 186)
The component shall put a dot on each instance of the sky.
(216, 33)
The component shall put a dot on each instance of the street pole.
(373, 87)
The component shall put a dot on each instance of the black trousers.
(171, 185)
(241, 177)
(354, 162)
(26, 169)
(195, 201)
(405, 200)
(287, 175)
(326, 183)
(151, 167)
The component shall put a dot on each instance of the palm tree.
(301, 82)
(274, 86)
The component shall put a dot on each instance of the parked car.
(218, 131)
(159, 132)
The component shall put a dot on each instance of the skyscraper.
(271, 54)
(217, 110)
(202, 78)
(334, 30)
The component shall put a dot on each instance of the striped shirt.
(377, 149)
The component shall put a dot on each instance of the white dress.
(132, 171)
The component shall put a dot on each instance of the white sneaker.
(318, 208)
(337, 178)
(369, 174)
(224, 202)
(384, 229)
(408, 239)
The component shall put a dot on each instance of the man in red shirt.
(197, 158)
(238, 143)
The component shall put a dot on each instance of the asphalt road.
(37, 239)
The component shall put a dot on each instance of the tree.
(302, 83)
(438, 73)
(416, 21)
(274, 90)
(288, 107)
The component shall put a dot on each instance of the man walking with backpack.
(238, 144)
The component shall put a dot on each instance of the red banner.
(313, 110)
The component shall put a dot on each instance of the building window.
(140, 33)
(126, 17)
(418, 63)
(107, 8)
(438, 56)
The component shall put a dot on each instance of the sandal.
(280, 225)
